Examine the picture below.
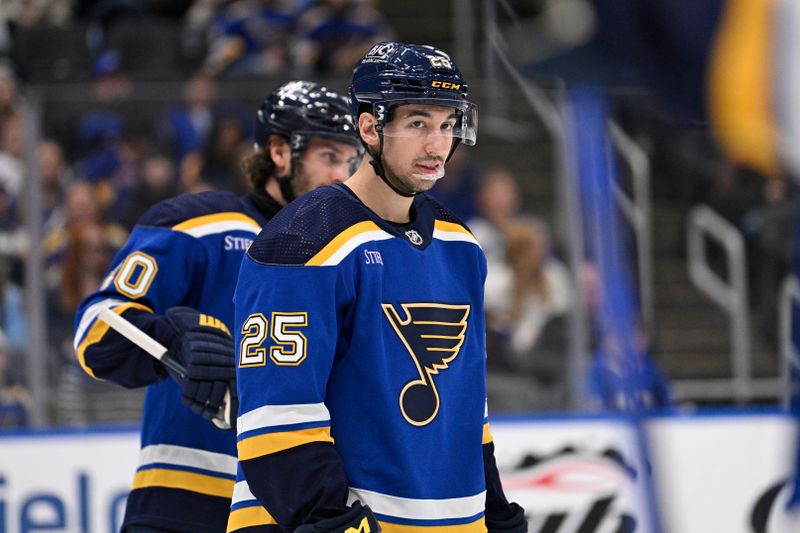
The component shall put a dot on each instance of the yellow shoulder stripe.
(268, 443)
(216, 218)
(98, 331)
(249, 517)
(340, 240)
(178, 479)
(441, 225)
(487, 434)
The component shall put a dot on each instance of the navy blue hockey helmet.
(392, 74)
(299, 110)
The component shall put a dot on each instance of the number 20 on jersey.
(289, 348)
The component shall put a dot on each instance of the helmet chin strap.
(377, 166)
(285, 182)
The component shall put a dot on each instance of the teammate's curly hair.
(258, 167)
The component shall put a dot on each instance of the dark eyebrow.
(425, 114)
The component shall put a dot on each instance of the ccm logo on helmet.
(445, 85)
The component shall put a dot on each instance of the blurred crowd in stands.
(109, 155)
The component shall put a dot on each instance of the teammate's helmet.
(392, 74)
(299, 110)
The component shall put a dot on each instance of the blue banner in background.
(616, 317)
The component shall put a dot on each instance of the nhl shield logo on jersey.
(433, 335)
(414, 237)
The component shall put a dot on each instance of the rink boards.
(714, 471)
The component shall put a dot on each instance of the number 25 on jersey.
(289, 348)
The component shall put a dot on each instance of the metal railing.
(638, 210)
(731, 296)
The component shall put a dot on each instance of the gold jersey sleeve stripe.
(178, 479)
(249, 517)
(478, 526)
(99, 330)
(269, 443)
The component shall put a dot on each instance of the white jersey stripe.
(355, 242)
(188, 457)
(454, 236)
(241, 493)
(282, 415)
(221, 227)
(90, 315)
(414, 509)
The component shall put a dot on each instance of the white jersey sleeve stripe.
(187, 457)
(282, 415)
(415, 509)
(241, 493)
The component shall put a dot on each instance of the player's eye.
(448, 127)
(417, 124)
(330, 157)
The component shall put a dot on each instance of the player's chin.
(424, 182)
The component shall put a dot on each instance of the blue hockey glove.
(358, 518)
(516, 523)
(204, 346)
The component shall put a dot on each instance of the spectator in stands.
(12, 155)
(29, 13)
(8, 93)
(224, 150)
(187, 126)
(13, 236)
(86, 259)
(157, 181)
(250, 37)
(539, 297)
(87, 253)
(15, 400)
(12, 311)
(110, 81)
(332, 35)
(56, 174)
(497, 201)
(526, 337)
(81, 208)
(619, 383)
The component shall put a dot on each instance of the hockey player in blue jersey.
(360, 333)
(174, 280)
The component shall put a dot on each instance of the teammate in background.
(360, 332)
(174, 279)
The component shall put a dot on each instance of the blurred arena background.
(634, 187)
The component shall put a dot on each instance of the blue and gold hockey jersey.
(361, 369)
(184, 251)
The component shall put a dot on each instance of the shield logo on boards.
(414, 237)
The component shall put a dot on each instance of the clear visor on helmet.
(300, 140)
(454, 119)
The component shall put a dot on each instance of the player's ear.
(366, 128)
(281, 154)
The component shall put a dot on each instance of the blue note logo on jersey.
(433, 335)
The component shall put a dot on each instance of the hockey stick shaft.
(154, 348)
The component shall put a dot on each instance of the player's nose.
(340, 173)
